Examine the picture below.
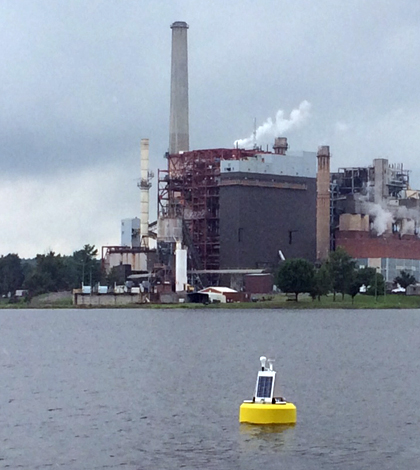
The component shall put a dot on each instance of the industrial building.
(130, 232)
(228, 213)
(236, 211)
(137, 253)
(223, 213)
(239, 207)
(375, 217)
(261, 197)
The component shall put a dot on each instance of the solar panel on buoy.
(265, 408)
(264, 386)
(264, 389)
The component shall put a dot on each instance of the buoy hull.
(267, 413)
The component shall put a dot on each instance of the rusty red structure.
(189, 189)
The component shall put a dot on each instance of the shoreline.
(276, 302)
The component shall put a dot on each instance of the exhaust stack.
(280, 145)
(144, 185)
(323, 203)
(179, 139)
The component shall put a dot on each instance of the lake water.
(161, 389)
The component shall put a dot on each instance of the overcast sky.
(83, 81)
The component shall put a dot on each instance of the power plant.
(229, 216)
(375, 217)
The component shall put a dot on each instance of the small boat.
(265, 408)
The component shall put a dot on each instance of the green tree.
(87, 268)
(353, 288)
(322, 283)
(53, 273)
(295, 276)
(11, 274)
(360, 277)
(405, 279)
(49, 274)
(377, 286)
(366, 276)
(341, 266)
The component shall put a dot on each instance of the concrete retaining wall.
(106, 299)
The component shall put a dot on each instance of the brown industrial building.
(375, 217)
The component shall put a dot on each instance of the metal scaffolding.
(189, 189)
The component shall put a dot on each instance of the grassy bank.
(51, 300)
(280, 301)
(360, 301)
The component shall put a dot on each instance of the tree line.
(339, 274)
(50, 272)
(53, 272)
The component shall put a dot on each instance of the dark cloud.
(82, 82)
(81, 79)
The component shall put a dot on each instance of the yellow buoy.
(267, 413)
(265, 408)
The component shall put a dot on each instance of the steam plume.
(271, 129)
(408, 227)
(382, 218)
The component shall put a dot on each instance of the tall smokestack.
(323, 203)
(179, 139)
(144, 186)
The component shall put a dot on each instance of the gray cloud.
(82, 82)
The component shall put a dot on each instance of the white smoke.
(271, 129)
(403, 212)
(402, 219)
(408, 227)
(383, 218)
